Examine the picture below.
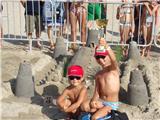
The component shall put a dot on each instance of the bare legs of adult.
(124, 34)
(81, 18)
(38, 34)
(149, 40)
(73, 21)
(50, 37)
(1, 32)
(82, 22)
(30, 42)
(147, 32)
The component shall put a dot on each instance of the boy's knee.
(58, 102)
(85, 108)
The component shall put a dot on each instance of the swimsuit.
(125, 9)
(76, 8)
(114, 105)
(149, 19)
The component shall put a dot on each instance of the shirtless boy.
(126, 20)
(72, 97)
(105, 97)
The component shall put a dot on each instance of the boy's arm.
(96, 91)
(77, 104)
(61, 99)
(111, 54)
(94, 101)
(114, 64)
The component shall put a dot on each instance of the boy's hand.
(102, 41)
(93, 104)
(66, 104)
(96, 104)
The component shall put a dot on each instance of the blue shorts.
(114, 105)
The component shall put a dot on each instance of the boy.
(105, 97)
(72, 97)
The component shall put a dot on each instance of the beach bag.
(116, 115)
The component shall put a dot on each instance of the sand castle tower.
(134, 53)
(92, 37)
(137, 91)
(60, 48)
(24, 82)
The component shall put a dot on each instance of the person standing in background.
(148, 15)
(78, 12)
(1, 27)
(33, 19)
(125, 16)
(53, 14)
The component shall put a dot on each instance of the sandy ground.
(13, 55)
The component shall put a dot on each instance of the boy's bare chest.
(74, 94)
(106, 82)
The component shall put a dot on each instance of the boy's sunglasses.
(74, 77)
(100, 56)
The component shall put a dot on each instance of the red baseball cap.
(75, 70)
(101, 50)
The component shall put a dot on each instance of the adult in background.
(126, 21)
(1, 28)
(53, 17)
(147, 24)
(156, 11)
(33, 19)
(78, 12)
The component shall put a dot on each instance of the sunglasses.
(100, 56)
(74, 77)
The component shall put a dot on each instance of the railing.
(14, 23)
